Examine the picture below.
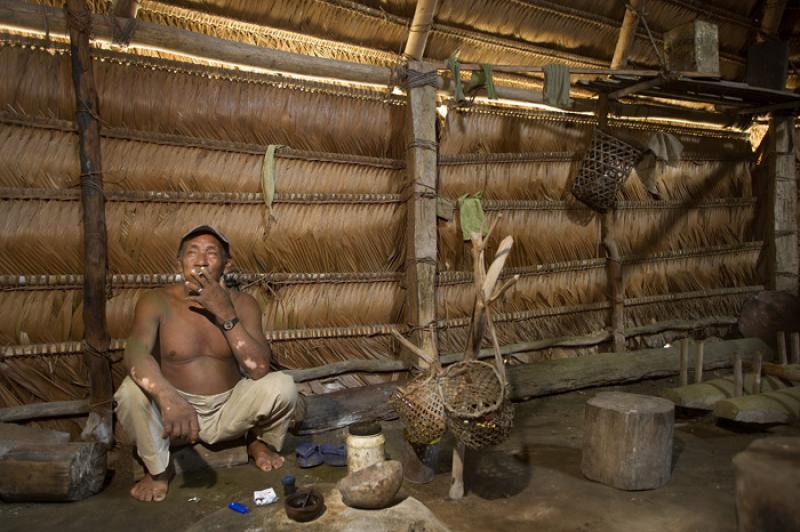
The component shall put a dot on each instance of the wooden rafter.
(627, 35)
(420, 29)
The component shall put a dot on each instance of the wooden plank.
(44, 410)
(98, 426)
(779, 406)
(705, 395)
(24, 433)
(421, 231)
(51, 471)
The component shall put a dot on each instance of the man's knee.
(130, 397)
(281, 386)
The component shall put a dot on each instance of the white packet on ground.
(264, 497)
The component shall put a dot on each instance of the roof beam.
(627, 35)
(420, 29)
(125, 8)
(771, 21)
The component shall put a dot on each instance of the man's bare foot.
(153, 488)
(265, 458)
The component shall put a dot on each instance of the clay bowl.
(295, 509)
(373, 487)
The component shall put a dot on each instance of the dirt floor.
(533, 480)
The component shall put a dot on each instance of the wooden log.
(24, 433)
(44, 410)
(346, 366)
(98, 426)
(767, 484)
(51, 471)
(771, 21)
(738, 381)
(703, 396)
(343, 408)
(795, 342)
(199, 456)
(684, 362)
(627, 440)
(421, 235)
(627, 35)
(782, 358)
(779, 406)
(539, 378)
(420, 29)
(698, 361)
(788, 372)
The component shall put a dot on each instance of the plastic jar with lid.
(365, 446)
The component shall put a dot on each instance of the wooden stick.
(505, 287)
(795, 339)
(782, 359)
(685, 362)
(737, 376)
(44, 410)
(698, 361)
(457, 477)
(785, 372)
(98, 427)
(636, 87)
(756, 386)
(627, 35)
(429, 359)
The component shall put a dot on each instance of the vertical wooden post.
(756, 387)
(738, 380)
(795, 341)
(782, 206)
(421, 159)
(684, 362)
(782, 358)
(698, 361)
(96, 338)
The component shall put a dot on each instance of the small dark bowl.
(302, 514)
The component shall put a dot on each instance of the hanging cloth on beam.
(556, 85)
(660, 147)
(455, 72)
(268, 176)
(483, 78)
(471, 215)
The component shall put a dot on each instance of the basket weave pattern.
(603, 171)
(421, 409)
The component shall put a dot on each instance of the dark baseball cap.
(206, 230)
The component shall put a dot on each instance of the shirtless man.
(198, 366)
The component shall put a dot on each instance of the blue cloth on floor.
(308, 455)
(334, 455)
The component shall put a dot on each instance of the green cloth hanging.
(483, 78)
(268, 176)
(455, 71)
(556, 85)
(472, 218)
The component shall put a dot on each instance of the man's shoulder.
(156, 296)
(242, 298)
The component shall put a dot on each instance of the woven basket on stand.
(474, 395)
(420, 407)
(603, 171)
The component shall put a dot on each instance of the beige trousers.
(268, 405)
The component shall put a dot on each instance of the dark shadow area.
(745, 428)
(494, 474)
(677, 449)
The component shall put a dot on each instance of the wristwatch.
(227, 325)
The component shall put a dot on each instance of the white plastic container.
(365, 446)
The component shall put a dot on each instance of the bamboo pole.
(738, 379)
(96, 338)
(782, 359)
(756, 388)
(420, 29)
(795, 340)
(627, 35)
(685, 362)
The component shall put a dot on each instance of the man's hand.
(212, 296)
(179, 419)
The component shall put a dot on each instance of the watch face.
(230, 324)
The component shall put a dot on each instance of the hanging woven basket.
(420, 407)
(603, 171)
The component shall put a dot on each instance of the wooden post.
(421, 257)
(737, 376)
(771, 21)
(420, 29)
(698, 362)
(616, 283)
(685, 362)
(756, 388)
(782, 358)
(627, 35)
(795, 339)
(98, 427)
(781, 237)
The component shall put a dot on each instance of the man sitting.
(189, 348)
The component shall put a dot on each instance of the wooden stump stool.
(767, 484)
(627, 440)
